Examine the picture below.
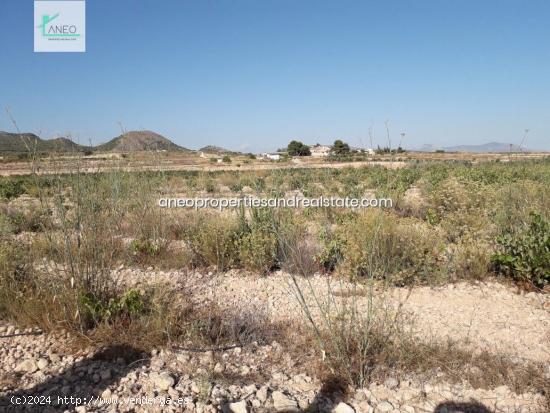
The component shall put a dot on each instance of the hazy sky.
(251, 75)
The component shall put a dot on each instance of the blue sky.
(251, 75)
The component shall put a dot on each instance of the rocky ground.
(489, 315)
(264, 378)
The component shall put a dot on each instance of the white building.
(319, 151)
(368, 151)
(271, 156)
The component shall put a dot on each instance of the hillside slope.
(139, 141)
(25, 142)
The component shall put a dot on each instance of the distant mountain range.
(483, 148)
(25, 142)
(128, 142)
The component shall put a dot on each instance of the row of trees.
(297, 148)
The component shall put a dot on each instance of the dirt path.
(23, 168)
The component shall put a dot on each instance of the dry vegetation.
(62, 235)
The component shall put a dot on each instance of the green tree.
(340, 148)
(296, 148)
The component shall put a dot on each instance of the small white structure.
(319, 151)
(271, 156)
(368, 151)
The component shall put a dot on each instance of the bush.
(470, 258)
(33, 219)
(525, 253)
(146, 247)
(130, 304)
(11, 188)
(258, 240)
(375, 245)
(332, 247)
(298, 250)
(212, 241)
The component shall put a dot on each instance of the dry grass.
(351, 345)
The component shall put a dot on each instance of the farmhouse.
(271, 156)
(319, 151)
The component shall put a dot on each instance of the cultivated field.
(438, 303)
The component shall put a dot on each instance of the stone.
(236, 407)
(163, 381)
(343, 408)
(219, 368)
(54, 358)
(261, 394)
(502, 390)
(106, 394)
(26, 366)
(303, 404)
(80, 409)
(391, 383)
(364, 407)
(42, 363)
(157, 364)
(281, 402)
(384, 406)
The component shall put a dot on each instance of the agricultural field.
(439, 301)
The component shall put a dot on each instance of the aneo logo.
(59, 26)
(54, 31)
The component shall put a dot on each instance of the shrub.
(258, 241)
(470, 258)
(332, 247)
(130, 304)
(11, 188)
(6, 225)
(212, 241)
(376, 245)
(145, 247)
(524, 254)
(298, 250)
(33, 219)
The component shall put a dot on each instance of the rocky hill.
(29, 142)
(139, 141)
(215, 150)
(15, 143)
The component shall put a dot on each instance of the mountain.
(428, 147)
(483, 148)
(25, 142)
(486, 147)
(128, 142)
(139, 141)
